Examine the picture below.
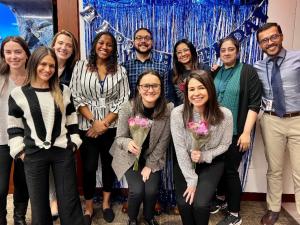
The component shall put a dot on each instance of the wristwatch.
(91, 121)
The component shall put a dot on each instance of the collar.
(281, 55)
(149, 59)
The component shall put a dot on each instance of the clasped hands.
(99, 127)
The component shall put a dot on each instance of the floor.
(251, 213)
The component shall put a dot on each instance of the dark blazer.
(159, 139)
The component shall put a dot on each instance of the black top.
(148, 113)
(66, 75)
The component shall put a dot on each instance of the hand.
(189, 194)
(22, 156)
(195, 156)
(244, 142)
(214, 67)
(98, 128)
(134, 148)
(146, 171)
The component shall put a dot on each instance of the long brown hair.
(178, 67)
(74, 56)
(113, 58)
(213, 114)
(4, 67)
(33, 63)
(161, 102)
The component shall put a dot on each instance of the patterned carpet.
(251, 213)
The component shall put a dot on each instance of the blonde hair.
(32, 65)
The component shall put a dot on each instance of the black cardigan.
(250, 94)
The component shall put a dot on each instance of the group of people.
(55, 105)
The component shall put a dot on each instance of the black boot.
(20, 213)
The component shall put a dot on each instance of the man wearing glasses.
(280, 122)
(143, 45)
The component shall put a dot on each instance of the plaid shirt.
(135, 67)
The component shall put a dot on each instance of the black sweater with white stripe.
(36, 123)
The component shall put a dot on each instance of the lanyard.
(101, 82)
(268, 77)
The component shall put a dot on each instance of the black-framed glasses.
(146, 87)
(274, 37)
(140, 38)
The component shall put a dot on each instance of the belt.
(293, 114)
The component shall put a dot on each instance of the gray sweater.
(218, 143)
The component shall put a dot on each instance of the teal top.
(227, 83)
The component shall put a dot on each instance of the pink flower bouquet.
(200, 134)
(139, 128)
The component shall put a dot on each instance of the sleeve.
(123, 134)
(182, 153)
(225, 129)
(254, 89)
(123, 91)
(72, 119)
(158, 156)
(15, 127)
(76, 85)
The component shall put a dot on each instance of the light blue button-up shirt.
(289, 62)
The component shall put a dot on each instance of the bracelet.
(91, 121)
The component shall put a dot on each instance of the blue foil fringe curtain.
(204, 22)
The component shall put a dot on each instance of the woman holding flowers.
(195, 186)
(99, 87)
(142, 138)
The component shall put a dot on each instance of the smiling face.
(184, 54)
(104, 47)
(197, 94)
(228, 53)
(63, 47)
(149, 89)
(270, 41)
(45, 70)
(14, 55)
(143, 42)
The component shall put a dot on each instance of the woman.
(143, 184)
(14, 57)
(99, 87)
(185, 59)
(43, 131)
(238, 89)
(196, 187)
(66, 51)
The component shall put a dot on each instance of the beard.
(143, 52)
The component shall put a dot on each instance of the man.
(143, 45)
(280, 122)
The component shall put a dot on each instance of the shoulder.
(248, 70)
(227, 113)
(293, 54)
(17, 91)
(177, 111)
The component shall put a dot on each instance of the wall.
(287, 14)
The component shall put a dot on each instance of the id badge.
(268, 104)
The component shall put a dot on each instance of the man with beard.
(280, 122)
(143, 60)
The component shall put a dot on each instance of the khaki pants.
(279, 135)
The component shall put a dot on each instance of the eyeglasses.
(140, 38)
(182, 51)
(146, 87)
(274, 37)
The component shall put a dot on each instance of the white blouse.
(101, 97)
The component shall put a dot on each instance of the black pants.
(230, 184)
(20, 187)
(208, 178)
(89, 151)
(140, 191)
(37, 166)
